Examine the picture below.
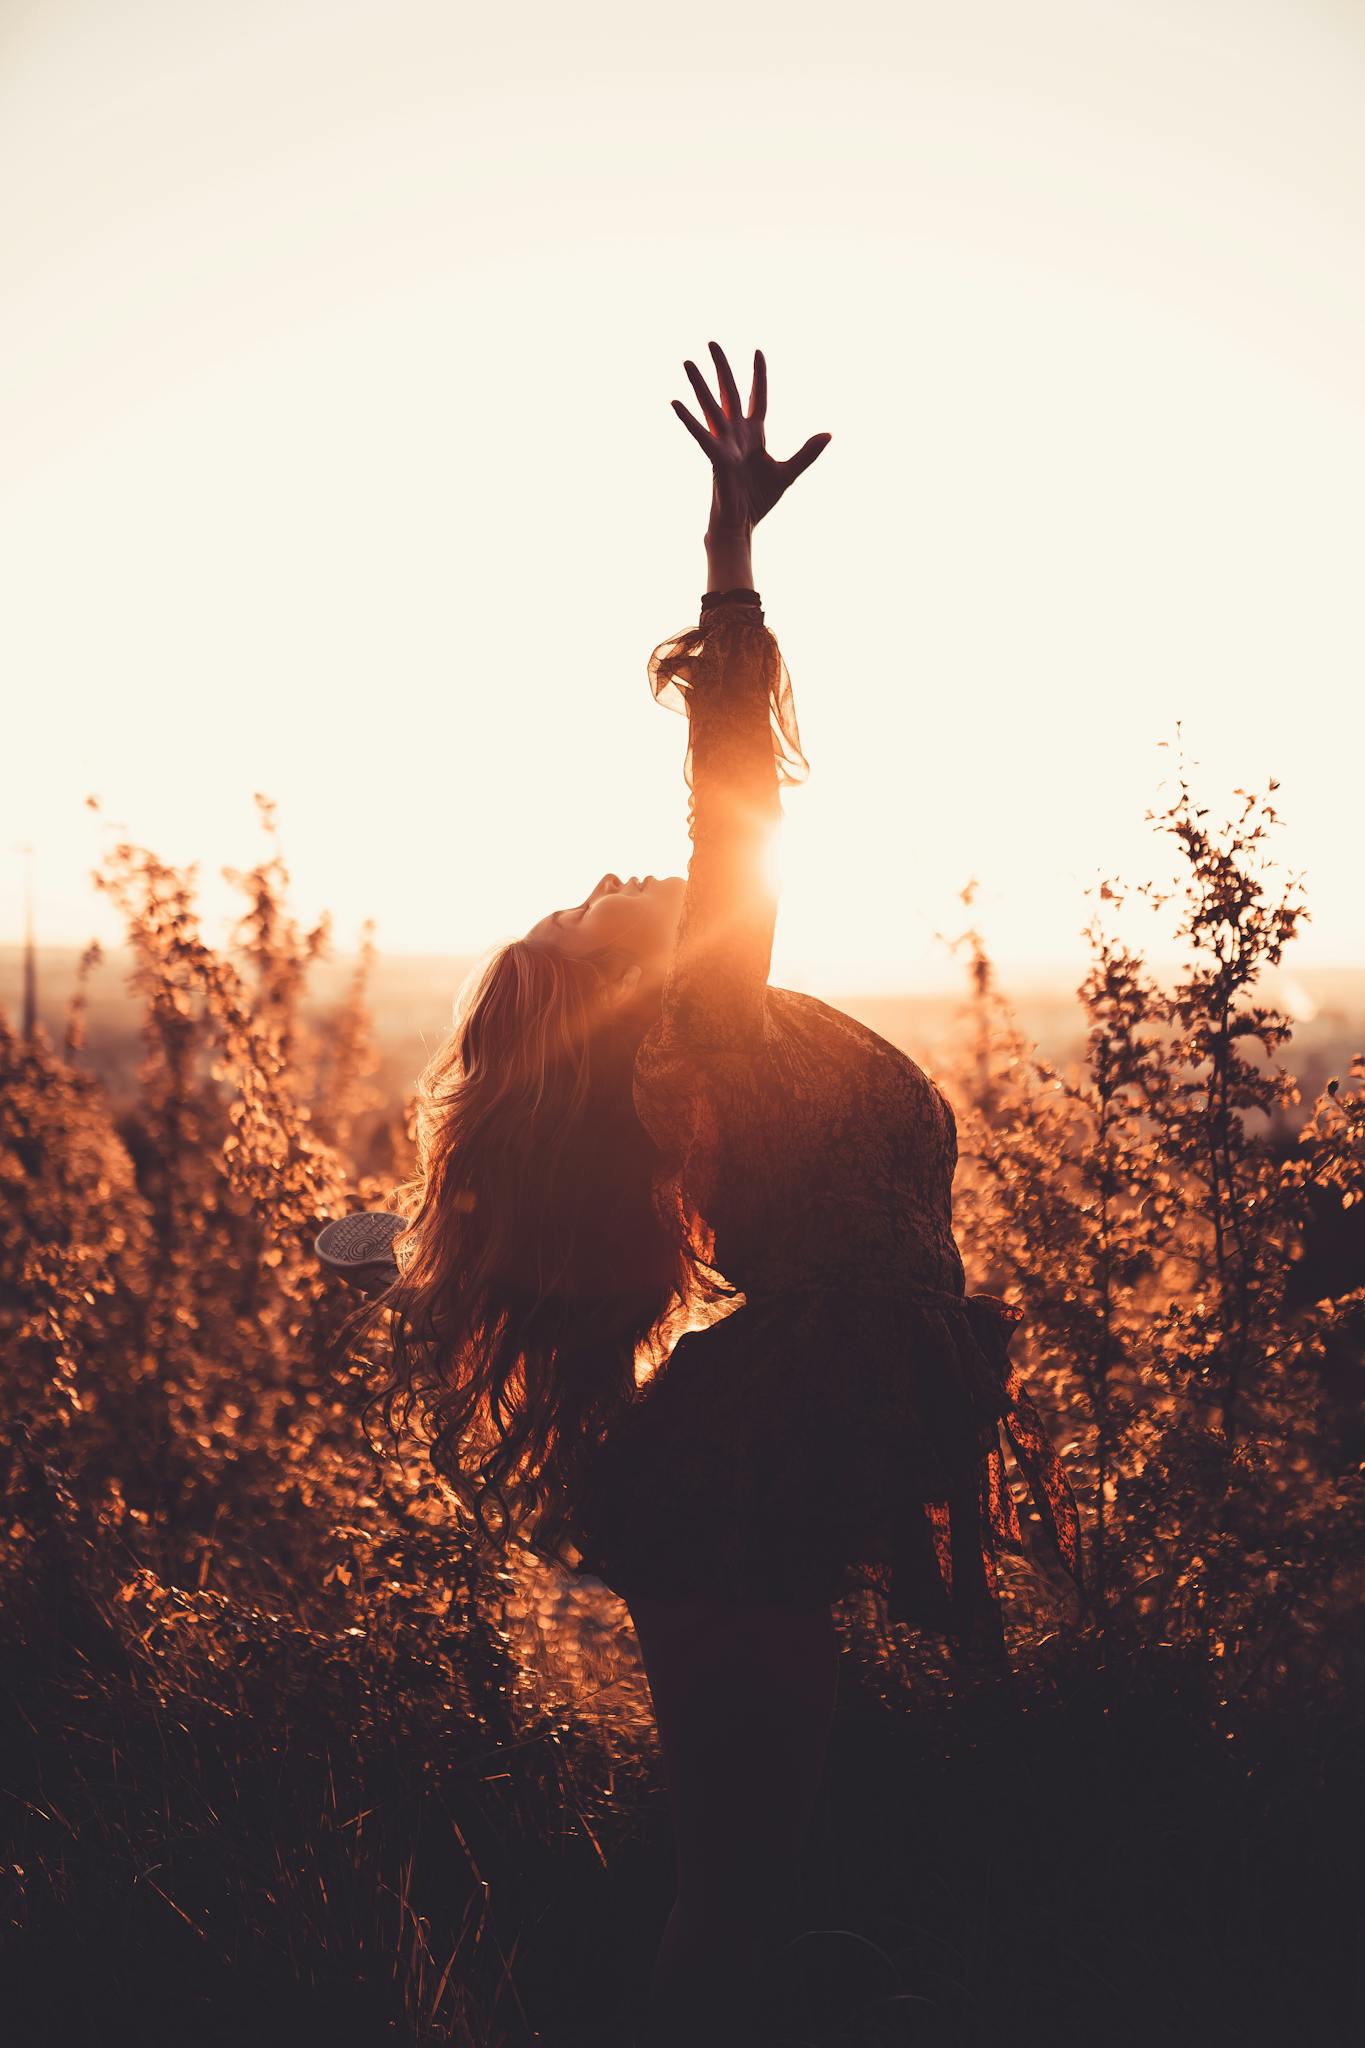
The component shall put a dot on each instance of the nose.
(611, 885)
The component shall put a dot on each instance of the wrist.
(729, 558)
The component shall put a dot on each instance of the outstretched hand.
(746, 481)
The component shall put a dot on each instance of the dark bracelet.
(741, 594)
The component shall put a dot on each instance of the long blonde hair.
(538, 1261)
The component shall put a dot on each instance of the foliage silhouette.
(257, 1658)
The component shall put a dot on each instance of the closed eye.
(580, 910)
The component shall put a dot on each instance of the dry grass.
(286, 1758)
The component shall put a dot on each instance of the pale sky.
(337, 346)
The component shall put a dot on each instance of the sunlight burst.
(770, 863)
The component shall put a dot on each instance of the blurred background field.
(411, 997)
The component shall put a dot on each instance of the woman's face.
(641, 917)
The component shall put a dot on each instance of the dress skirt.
(816, 1440)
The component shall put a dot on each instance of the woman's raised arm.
(725, 672)
(743, 737)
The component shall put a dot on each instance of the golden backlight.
(335, 383)
(772, 861)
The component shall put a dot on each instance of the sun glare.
(992, 617)
(770, 867)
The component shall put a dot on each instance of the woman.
(629, 1125)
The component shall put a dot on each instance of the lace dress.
(841, 1426)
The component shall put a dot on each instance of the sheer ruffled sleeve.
(700, 1067)
(729, 677)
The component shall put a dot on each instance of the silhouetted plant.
(1136, 1210)
(276, 1631)
(195, 1515)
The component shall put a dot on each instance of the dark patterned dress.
(842, 1426)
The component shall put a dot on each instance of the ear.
(625, 988)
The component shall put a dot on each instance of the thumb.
(804, 457)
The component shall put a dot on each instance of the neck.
(635, 1018)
